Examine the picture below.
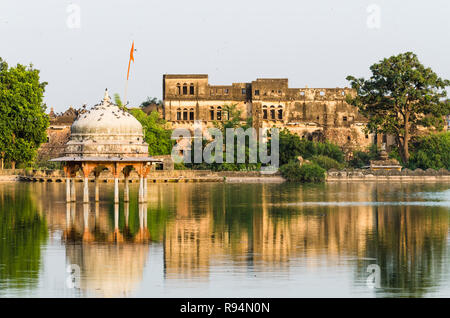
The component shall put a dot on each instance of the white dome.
(106, 131)
(106, 119)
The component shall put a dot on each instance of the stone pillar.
(126, 190)
(73, 195)
(141, 188)
(141, 216)
(144, 211)
(72, 213)
(127, 213)
(86, 217)
(86, 190)
(97, 194)
(116, 217)
(68, 223)
(68, 198)
(145, 189)
(97, 214)
(116, 189)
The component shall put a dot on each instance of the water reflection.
(23, 230)
(225, 233)
(111, 257)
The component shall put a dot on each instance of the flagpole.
(126, 85)
(128, 74)
(125, 95)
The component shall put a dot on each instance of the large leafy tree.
(156, 135)
(401, 95)
(23, 121)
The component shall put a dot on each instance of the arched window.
(211, 113)
(280, 113)
(272, 112)
(191, 114)
(219, 113)
(191, 89)
(178, 114)
(264, 112)
(184, 89)
(178, 89)
(185, 114)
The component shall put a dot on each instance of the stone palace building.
(312, 113)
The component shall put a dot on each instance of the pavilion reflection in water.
(200, 226)
(111, 260)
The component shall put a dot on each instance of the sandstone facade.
(313, 113)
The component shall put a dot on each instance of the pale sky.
(313, 43)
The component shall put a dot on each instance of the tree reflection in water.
(23, 231)
(258, 228)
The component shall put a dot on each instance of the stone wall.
(239, 176)
(405, 174)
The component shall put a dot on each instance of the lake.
(227, 240)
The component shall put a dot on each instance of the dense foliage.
(232, 120)
(155, 133)
(150, 101)
(431, 151)
(309, 172)
(23, 122)
(292, 146)
(401, 95)
(362, 158)
(326, 163)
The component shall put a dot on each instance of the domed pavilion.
(106, 137)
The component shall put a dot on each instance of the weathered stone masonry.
(312, 113)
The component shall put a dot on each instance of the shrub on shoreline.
(431, 151)
(293, 172)
(326, 162)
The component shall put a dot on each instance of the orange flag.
(131, 59)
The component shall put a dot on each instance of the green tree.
(23, 122)
(150, 101)
(118, 101)
(431, 151)
(401, 95)
(155, 134)
(231, 120)
(292, 146)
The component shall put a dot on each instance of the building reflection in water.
(111, 258)
(270, 229)
(259, 228)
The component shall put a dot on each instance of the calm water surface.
(227, 240)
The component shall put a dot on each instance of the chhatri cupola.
(106, 131)
(106, 137)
